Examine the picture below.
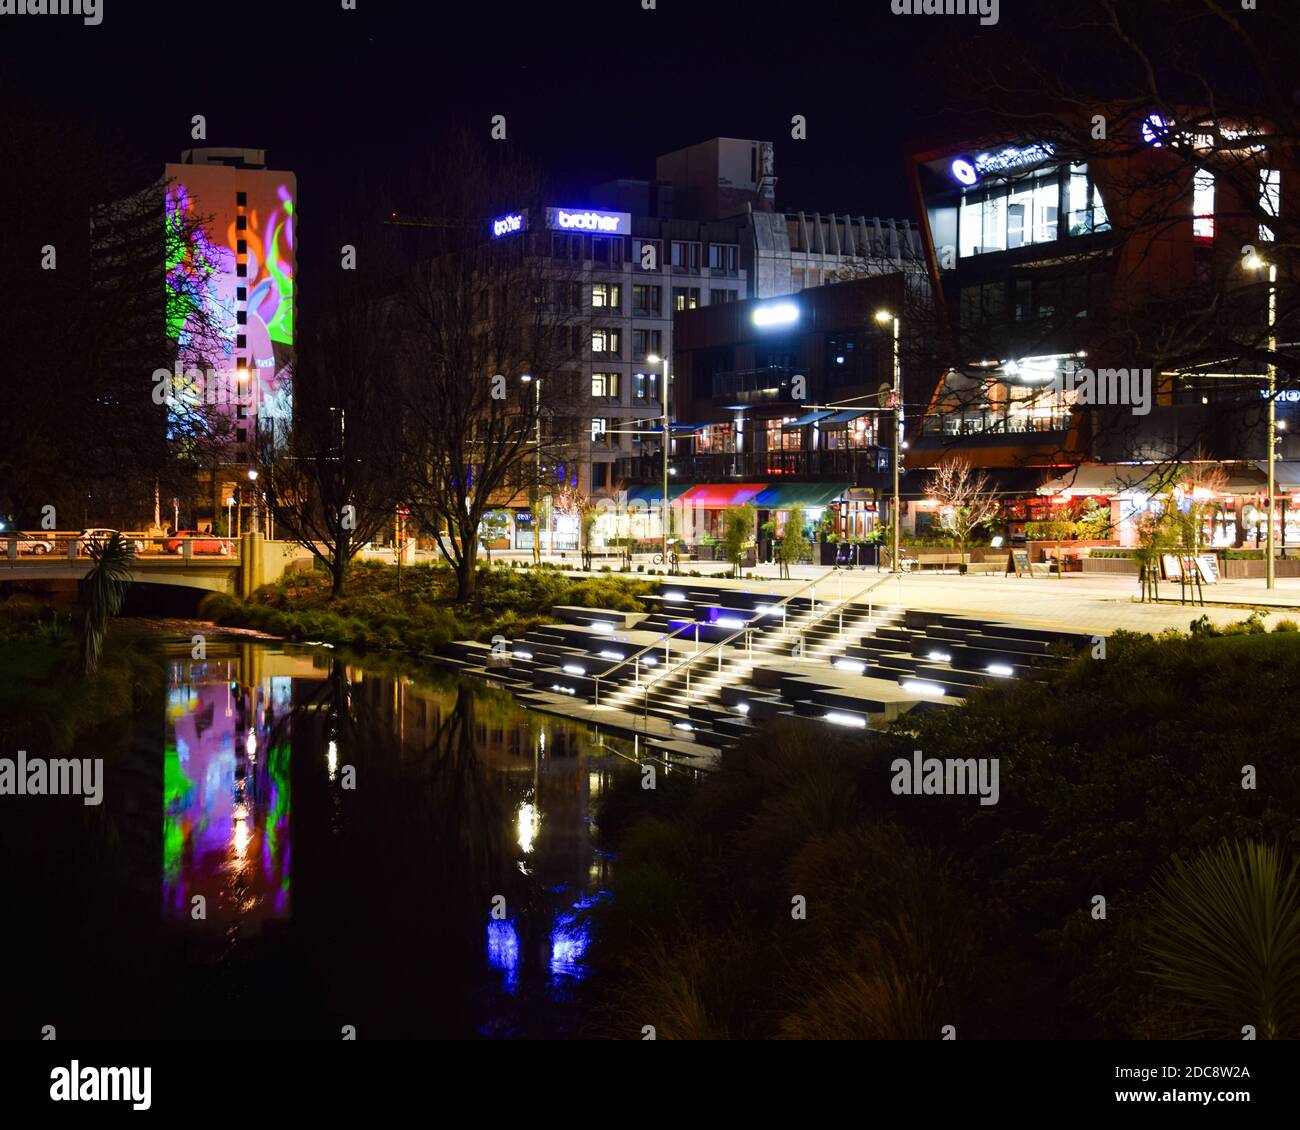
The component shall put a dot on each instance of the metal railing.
(839, 607)
(635, 660)
(746, 630)
(46, 548)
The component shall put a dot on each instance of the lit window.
(1270, 200)
(1203, 205)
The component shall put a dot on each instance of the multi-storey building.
(231, 297)
(635, 254)
(1050, 263)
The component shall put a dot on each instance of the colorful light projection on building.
(206, 295)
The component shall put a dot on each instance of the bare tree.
(334, 481)
(966, 499)
(484, 340)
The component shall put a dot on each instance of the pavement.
(1082, 602)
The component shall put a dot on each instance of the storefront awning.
(1125, 479)
(1286, 473)
(782, 496)
(648, 494)
(810, 418)
(845, 417)
(721, 496)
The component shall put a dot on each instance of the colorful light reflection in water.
(225, 796)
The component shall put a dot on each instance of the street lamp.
(230, 519)
(1255, 263)
(252, 478)
(654, 359)
(527, 378)
(884, 317)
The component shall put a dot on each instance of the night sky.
(591, 89)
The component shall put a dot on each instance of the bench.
(938, 560)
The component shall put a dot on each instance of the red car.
(199, 543)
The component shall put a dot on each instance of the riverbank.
(46, 704)
(413, 610)
(863, 912)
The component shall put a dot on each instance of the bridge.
(236, 566)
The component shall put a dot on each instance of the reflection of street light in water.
(332, 759)
(528, 823)
(250, 744)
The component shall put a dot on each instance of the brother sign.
(587, 220)
(507, 225)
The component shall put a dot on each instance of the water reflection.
(431, 874)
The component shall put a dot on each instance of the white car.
(97, 534)
(30, 543)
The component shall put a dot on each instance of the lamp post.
(884, 317)
(1255, 263)
(654, 359)
(252, 478)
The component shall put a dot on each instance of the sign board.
(1172, 566)
(589, 221)
(509, 224)
(1207, 565)
(1018, 561)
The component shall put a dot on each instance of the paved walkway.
(1077, 601)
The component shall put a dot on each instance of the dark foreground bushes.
(1038, 917)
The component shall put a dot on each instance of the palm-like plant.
(1225, 937)
(102, 593)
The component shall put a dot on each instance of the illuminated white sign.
(507, 225)
(776, 314)
(1013, 157)
(587, 220)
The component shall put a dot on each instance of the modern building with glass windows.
(1051, 261)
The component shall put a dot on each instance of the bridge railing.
(48, 547)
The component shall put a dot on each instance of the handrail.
(846, 601)
(662, 641)
(748, 626)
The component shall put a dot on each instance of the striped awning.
(721, 496)
(782, 496)
(649, 494)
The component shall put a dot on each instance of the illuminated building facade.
(231, 280)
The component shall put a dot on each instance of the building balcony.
(994, 423)
(753, 386)
(858, 465)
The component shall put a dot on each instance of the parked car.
(97, 534)
(31, 543)
(199, 543)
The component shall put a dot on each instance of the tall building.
(704, 232)
(230, 278)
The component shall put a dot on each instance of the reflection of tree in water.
(392, 896)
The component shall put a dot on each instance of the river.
(295, 844)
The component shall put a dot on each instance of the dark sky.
(590, 88)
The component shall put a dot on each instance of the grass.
(374, 614)
(46, 704)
